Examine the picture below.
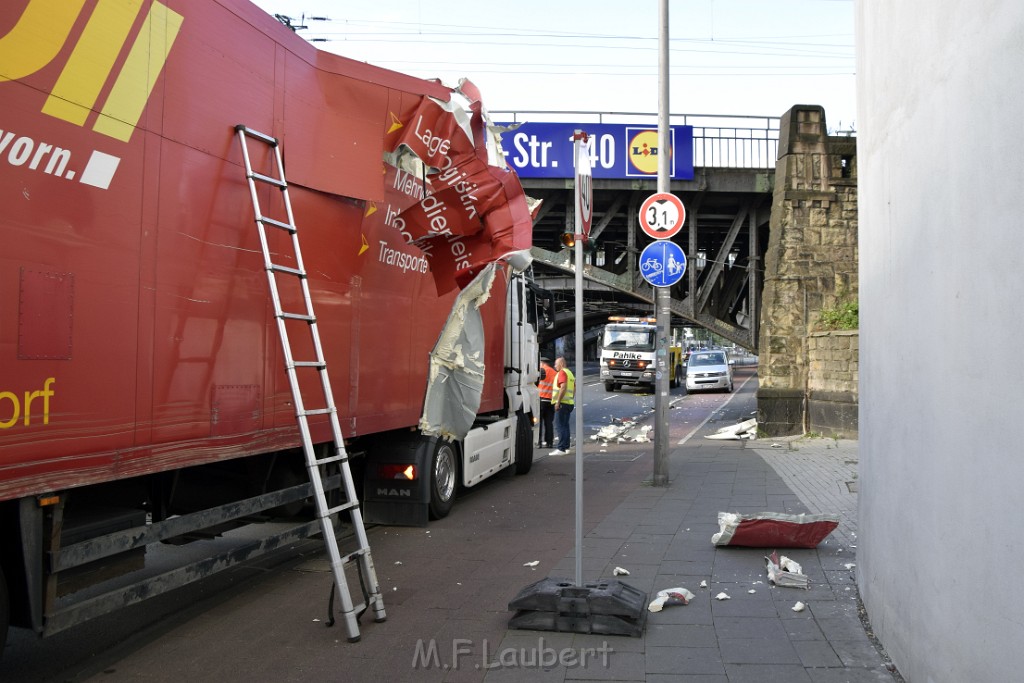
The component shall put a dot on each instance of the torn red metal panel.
(438, 133)
(772, 529)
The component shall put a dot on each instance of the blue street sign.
(662, 263)
(617, 150)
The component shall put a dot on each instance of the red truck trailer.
(143, 396)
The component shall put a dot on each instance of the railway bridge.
(725, 170)
(770, 237)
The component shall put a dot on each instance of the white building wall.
(940, 153)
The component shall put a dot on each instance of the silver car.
(708, 370)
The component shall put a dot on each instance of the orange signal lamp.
(569, 239)
(397, 471)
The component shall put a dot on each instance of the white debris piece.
(799, 607)
(751, 591)
(624, 431)
(398, 562)
(704, 584)
(790, 566)
(850, 565)
(728, 521)
(744, 430)
(531, 564)
(722, 596)
(785, 572)
(619, 571)
(671, 596)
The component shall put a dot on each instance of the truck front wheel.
(524, 443)
(609, 386)
(444, 470)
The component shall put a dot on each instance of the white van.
(709, 370)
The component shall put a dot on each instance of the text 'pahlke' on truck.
(144, 395)
(628, 354)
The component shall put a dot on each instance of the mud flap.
(398, 502)
(605, 607)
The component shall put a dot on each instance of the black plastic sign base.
(605, 607)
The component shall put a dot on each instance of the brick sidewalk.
(662, 536)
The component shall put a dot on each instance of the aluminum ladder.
(367, 574)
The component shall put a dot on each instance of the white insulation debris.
(744, 430)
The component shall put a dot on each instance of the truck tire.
(609, 386)
(524, 443)
(444, 479)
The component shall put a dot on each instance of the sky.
(726, 57)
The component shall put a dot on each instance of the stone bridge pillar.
(810, 264)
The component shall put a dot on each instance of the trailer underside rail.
(122, 541)
(72, 613)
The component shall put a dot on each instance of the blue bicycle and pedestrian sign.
(662, 263)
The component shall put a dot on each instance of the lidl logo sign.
(643, 152)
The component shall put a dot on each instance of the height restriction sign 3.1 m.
(662, 215)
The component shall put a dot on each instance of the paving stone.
(681, 635)
(836, 628)
(851, 674)
(618, 666)
(758, 651)
(767, 628)
(762, 673)
(696, 612)
(684, 660)
(817, 653)
(736, 606)
(803, 628)
(857, 652)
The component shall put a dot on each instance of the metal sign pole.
(663, 299)
(579, 411)
(584, 208)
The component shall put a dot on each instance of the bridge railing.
(719, 141)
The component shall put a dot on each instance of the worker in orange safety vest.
(545, 386)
